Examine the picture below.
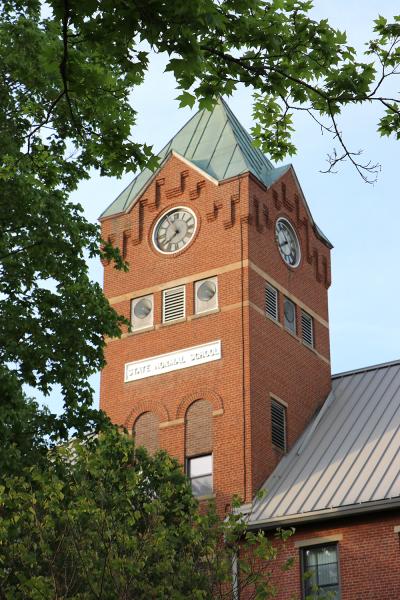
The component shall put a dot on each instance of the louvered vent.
(278, 424)
(307, 330)
(174, 304)
(271, 301)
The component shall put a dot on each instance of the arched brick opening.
(142, 406)
(198, 428)
(146, 430)
(214, 399)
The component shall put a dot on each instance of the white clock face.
(288, 242)
(174, 230)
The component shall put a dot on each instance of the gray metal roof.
(347, 458)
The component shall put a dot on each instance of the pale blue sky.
(361, 220)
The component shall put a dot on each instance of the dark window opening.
(320, 572)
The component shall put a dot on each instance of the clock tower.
(227, 359)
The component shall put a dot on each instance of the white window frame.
(189, 460)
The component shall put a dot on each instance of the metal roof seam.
(192, 136)
(396, 432)
(203, 132)
(346, 454)
(230, 160)
(330, 434)
(218, 141)
(381, 418)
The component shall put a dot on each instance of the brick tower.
(228, 357)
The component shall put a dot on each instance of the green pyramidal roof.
(213, 141)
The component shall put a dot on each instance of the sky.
(361, 220)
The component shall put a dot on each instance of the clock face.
(288, 242)
(174, 230)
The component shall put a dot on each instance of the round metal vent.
(206, 291)
(289, 311)
(143, 308)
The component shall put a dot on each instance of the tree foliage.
(67, 73)
(103, 521)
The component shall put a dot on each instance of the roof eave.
(325, 514)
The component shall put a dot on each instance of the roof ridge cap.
(376, 367)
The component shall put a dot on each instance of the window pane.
(201, 465)
(310, 579)
(327, 574)
(202, 486)
(310, 558)
(320, 572)
(326, 555)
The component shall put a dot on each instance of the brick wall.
(235, 241)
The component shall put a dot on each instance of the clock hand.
(172, 236)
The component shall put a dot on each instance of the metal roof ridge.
(392, 363)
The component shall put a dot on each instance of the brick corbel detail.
(137, 221)
(258, 214)
(177, 191)
(213, 209)
(125, 241)
(229, 210)
(285, 201)
(195, 193)
(266, 216)
(327, 272)
(143, 406)
(212, 397)
(275, 198)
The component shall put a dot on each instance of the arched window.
(199, 447)
(146, 430)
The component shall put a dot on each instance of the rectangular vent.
(174, 304)
(271, 301)
(307, 329)
(278, 424)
